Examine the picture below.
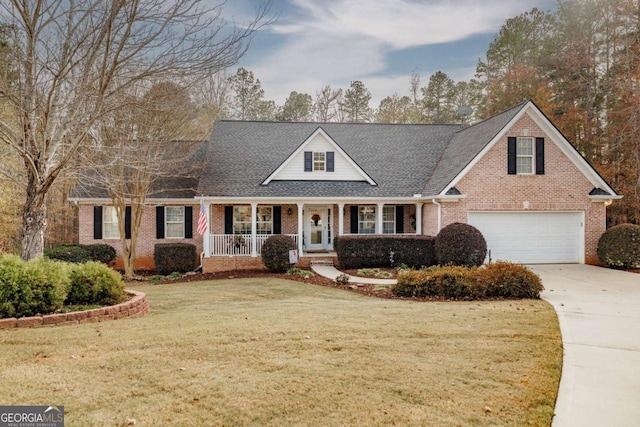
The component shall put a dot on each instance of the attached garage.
(532, 237)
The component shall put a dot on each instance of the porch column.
(379, 229)
(206, 242)
(340, 219)
(418, 218)
(254, 229)
(300, 225)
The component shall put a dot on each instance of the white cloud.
(401, 24)
(336, 41)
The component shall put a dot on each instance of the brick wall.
(562, 188)
(146, 236)
(136, 306)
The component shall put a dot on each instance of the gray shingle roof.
(397, 157)
(180, 184)
(402, 159)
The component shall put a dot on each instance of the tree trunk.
(128, 257)
(34, 224)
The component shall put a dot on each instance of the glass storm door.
(316, 227)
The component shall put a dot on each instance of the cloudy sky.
(313, 43)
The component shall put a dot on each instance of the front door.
(317, 227)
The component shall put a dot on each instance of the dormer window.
(319, 161)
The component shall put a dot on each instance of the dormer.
(319, 158)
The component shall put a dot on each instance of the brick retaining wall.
(137, 306)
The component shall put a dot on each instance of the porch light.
(289, 211)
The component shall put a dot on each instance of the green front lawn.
(270, 352)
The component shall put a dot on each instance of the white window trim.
(319, 165)
(392, 208)
(531, 156)
(245, 223)
(361, 221)
(105, 210)
(259, 221)
(167, 222)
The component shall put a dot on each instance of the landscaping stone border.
(136, 306)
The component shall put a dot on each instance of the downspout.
(439, 213)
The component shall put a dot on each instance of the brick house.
(513, 176)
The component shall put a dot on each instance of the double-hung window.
(389, 219)
(265, 220)
(318, 161)
(110, 229)
(242, 220)
(524, 156)
(367, 220)
(174, 222)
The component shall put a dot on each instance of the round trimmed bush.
(30, 288)
(619, 246)
(275, 252)
(95, 283)
(460, 244)
(503, 279)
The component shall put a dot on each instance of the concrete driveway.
(599, 314)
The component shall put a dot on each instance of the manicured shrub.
(68, 253)
(381, 251)
(497, 280)
(453, 282)
(619, 246)
(275, 252)
(503, 279)
(29, 288)
(174, 257)
(101, 252)
(95, 283)
(460, 244)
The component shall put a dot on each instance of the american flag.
(202, 219)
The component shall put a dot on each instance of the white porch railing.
(238, 244)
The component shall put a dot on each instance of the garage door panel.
(532, 237)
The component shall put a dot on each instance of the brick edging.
(136, 306)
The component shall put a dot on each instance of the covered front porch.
(238, 229)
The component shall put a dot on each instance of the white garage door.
(532, 237)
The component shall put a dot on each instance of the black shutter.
(331, 161)
(354, 220)
(127, 222)
(228, 220)
(539, 156)
(308, 161)
(97, 222)
(511, 155)
(159, 222)
(399, 219)
(188, 222)
(277, 220)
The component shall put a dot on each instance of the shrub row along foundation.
(137, 306)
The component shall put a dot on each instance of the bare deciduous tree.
(139, 151)
(73, 63)
(327, 105)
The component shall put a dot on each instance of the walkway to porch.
(331, 272)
